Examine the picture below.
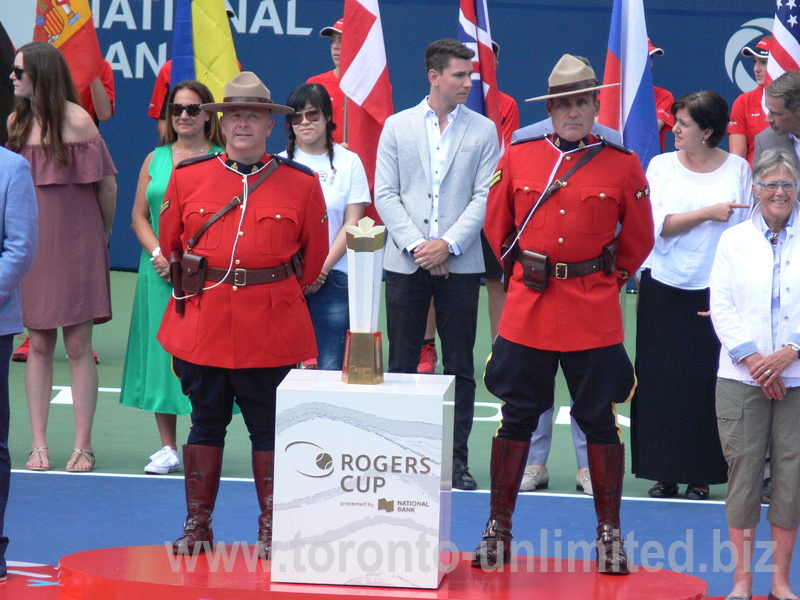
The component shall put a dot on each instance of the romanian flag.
(68, 25)
(202, 46)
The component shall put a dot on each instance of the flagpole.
(344, 118)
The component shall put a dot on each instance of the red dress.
(69, 281)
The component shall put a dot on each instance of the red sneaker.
(21, 353)
(311, 363)
(428, 359)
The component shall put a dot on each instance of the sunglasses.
(18, 72)
(312, 115)
(191, 109)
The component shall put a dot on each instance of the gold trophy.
(363, 351)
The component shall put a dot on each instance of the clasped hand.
(432, 256)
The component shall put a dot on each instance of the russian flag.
(212, 61)
(475, 33)
(631, 107)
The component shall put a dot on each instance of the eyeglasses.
(191, 109)
(786, 186)
(18, 72)
(312, 115)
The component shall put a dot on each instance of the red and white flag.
(784, 52)
(365, 80)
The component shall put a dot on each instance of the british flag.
(785, 48)
(475, 33)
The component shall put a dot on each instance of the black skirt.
(674, 435)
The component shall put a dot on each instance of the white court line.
(64, 395)
(562, 417)
(250, 480)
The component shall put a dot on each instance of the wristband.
(156, 252)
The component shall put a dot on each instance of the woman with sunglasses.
(756, 316)
(68, 284)
(344, 184)
(148, 381)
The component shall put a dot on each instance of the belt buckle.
(561, 270)
(240, 277)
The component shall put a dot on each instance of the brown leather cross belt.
(577, 269)
(250, 276)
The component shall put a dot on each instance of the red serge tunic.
(244, 326)
(572, 225)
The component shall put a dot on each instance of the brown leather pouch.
(535, 270)
(509, 258)
(297, 264)
(193, 273)
(610, 257)
(175, 280)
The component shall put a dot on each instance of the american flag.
(474, 32)
(785, 48)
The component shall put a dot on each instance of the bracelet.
(155, 253)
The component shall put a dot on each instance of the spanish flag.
(68, 25)
(202, 46)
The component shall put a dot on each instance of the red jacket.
(572, 225)
(250, 326)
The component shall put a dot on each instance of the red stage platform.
(152, 573)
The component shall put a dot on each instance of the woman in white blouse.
(697, 193)
(755, 308)
(344, 184)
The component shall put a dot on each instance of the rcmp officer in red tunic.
(574, 252)
(238, 321)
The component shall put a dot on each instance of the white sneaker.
(164, 461)
(533, 479)
(583, 483)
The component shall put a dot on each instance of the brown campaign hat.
(246, 90)
(570, 76)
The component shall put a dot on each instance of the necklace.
(202, 150)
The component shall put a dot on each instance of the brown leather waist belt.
(241, 277)
(577, 269)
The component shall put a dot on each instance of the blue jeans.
(330, 314)
(6, 345)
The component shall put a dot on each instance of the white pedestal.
(363, 478)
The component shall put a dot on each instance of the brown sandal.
(76, 456)
(41, 454)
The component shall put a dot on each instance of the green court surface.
(124, 437)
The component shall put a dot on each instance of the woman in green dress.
(148, 381)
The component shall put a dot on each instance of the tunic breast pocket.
(526, 193)
(600, 207)
(196, 216)
(277, 229)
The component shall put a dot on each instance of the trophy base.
(363, 358)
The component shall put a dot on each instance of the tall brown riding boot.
(607, 468)
(508, 463)
(202, 466)
(263, 468)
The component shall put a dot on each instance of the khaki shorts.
(749, 423)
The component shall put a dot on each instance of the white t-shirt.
(345, 183)
(684, 261)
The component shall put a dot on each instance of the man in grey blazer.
(434, 165)
(783, 115)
